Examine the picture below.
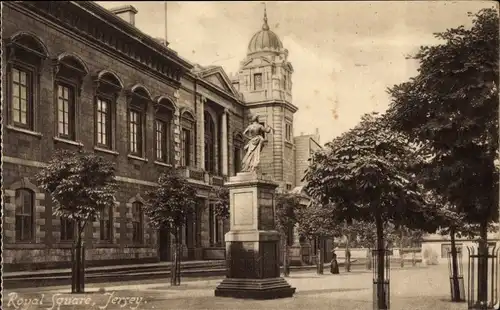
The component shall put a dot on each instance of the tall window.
(285, 85)
(187, 140)
(161, 140)
(107, 89)
(65, 110)
(22, 97)
(24, 55)
(103, 122)
(105, 224)
(135, 132)
(67, 229)
(185, 147)
(24, 215)
(288, 132)
(209, 143)
(164, 115)
(257, 81)
(137, 222)
(69, 74)
(136, 118)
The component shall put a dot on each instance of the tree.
(317, 222)
(221, 202)
(452, 104)
(168, 207)
(81, 185)
(286, 206)
(362, 176)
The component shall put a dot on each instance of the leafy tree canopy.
(287, 205)
(362, 174)
(81, 184)
(171, 202)
(221, 202)
(452, 105)
(316, 220)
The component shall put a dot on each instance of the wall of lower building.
(435, 247)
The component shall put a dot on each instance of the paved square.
(412, 288)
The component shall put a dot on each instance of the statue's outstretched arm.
(245, 134)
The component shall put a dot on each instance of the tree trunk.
(482, 265)
(78, 264)
(286, 265)
(401, 253)
(381, 294)
(454, 268)
(369, 258)
(319, 256)
(179, 257)
(175, 270)
(347, 255)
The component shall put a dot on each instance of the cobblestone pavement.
(411, 289)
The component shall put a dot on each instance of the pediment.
(217, 77)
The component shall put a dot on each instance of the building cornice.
(82, 24)
(133, 32)
(267, 103)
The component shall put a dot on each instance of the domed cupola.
(265, 40)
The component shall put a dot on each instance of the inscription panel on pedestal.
(243, 208)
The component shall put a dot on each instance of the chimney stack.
(125, 12)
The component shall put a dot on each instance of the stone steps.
(12, 280)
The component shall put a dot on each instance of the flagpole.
(166, 28)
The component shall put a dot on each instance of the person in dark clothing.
(334, 266)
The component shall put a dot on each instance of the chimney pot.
(125, 12)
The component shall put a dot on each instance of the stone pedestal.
(252, 244)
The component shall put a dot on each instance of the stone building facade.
(80, 76)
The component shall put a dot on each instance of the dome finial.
(265, 26)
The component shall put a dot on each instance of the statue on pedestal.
(254, 132)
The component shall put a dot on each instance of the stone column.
(252, 244)
(224, 143)
(201, 131)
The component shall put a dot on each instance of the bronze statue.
(254, 146)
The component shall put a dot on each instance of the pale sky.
(345, 54)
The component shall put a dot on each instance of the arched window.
(163, 130)
(137, 222)
(25, 200)
(69, 73)
(107, 87)
(209, 143)
(187, 139)
(25, 54)
(139, 97)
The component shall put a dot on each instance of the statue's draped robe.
(252, 156)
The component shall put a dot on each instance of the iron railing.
(482, 278)
(456, 280)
